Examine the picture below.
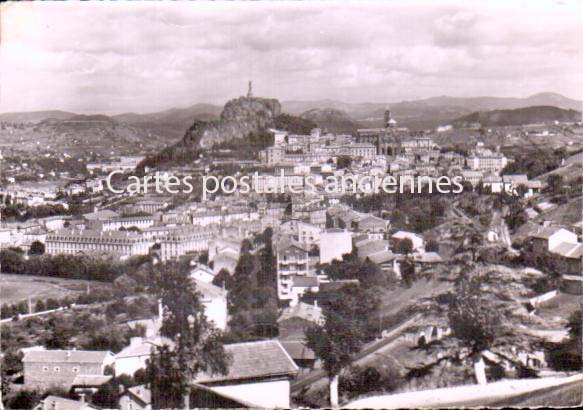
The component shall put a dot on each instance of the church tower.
(387, 117)
(250, 90)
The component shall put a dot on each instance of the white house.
(133, 357)
(416, 240)
(259, 372)
(214, 300)
(202, 273)
(553, 236)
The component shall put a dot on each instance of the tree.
(407, 268)
(196, 343)
(343, 161)
(473, 241)
(404, 246)
(36, 248)
(566, 355)
(473, 320)
(555, 183)
(342, 334)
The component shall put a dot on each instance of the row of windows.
(57, 369)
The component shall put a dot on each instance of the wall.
(263, 394)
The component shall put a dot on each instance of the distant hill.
(173, 122)
(35, 116)
(81, 135)
(519, 116)
(331, 120)
(430, 112)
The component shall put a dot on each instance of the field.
(16, 288)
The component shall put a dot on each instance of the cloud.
(118, 57)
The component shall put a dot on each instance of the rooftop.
(69, 356)
(252, 360)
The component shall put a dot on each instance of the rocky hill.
(240, 117)
(520, 116)
(331, 120)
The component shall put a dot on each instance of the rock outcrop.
(240, 117)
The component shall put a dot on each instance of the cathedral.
(387, 139)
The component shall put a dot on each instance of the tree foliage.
(344, 330)
(196, 344)
(471, 317)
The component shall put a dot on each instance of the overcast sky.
(120, 57)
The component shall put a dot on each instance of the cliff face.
(240, 117)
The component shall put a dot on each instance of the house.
(201, 397)
(88, 384)
(100, 215)
(202, 273)
(302, 232)
(334, 243)
(367, 248)
(133, 357)
(373, 226)
(59, 403)
(259, 372)
(416, 240)
(226, 260)
(301, 285)
(46, 368)
(424, 260)
(549, 237)
(214, 300)
(292, 261)
(568, 258)
(295, 320)
(292, 324)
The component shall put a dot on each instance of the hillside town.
(247, 252)
(268, 268)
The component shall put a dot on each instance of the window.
(56, 369)
(75, 370)
(45, 369)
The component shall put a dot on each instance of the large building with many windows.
(183, 240)
(88, 241)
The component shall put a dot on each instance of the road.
(369, 352)
(499, 225)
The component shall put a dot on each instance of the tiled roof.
(210, 291)
(103, 214)
(382, 257)
(546, 232)
(305, 281)
(68, 356)
(253, 360)
(569, 250)
(142, 393)
(59, 403)
(90, 380)
(427, 257)
(297, 349)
